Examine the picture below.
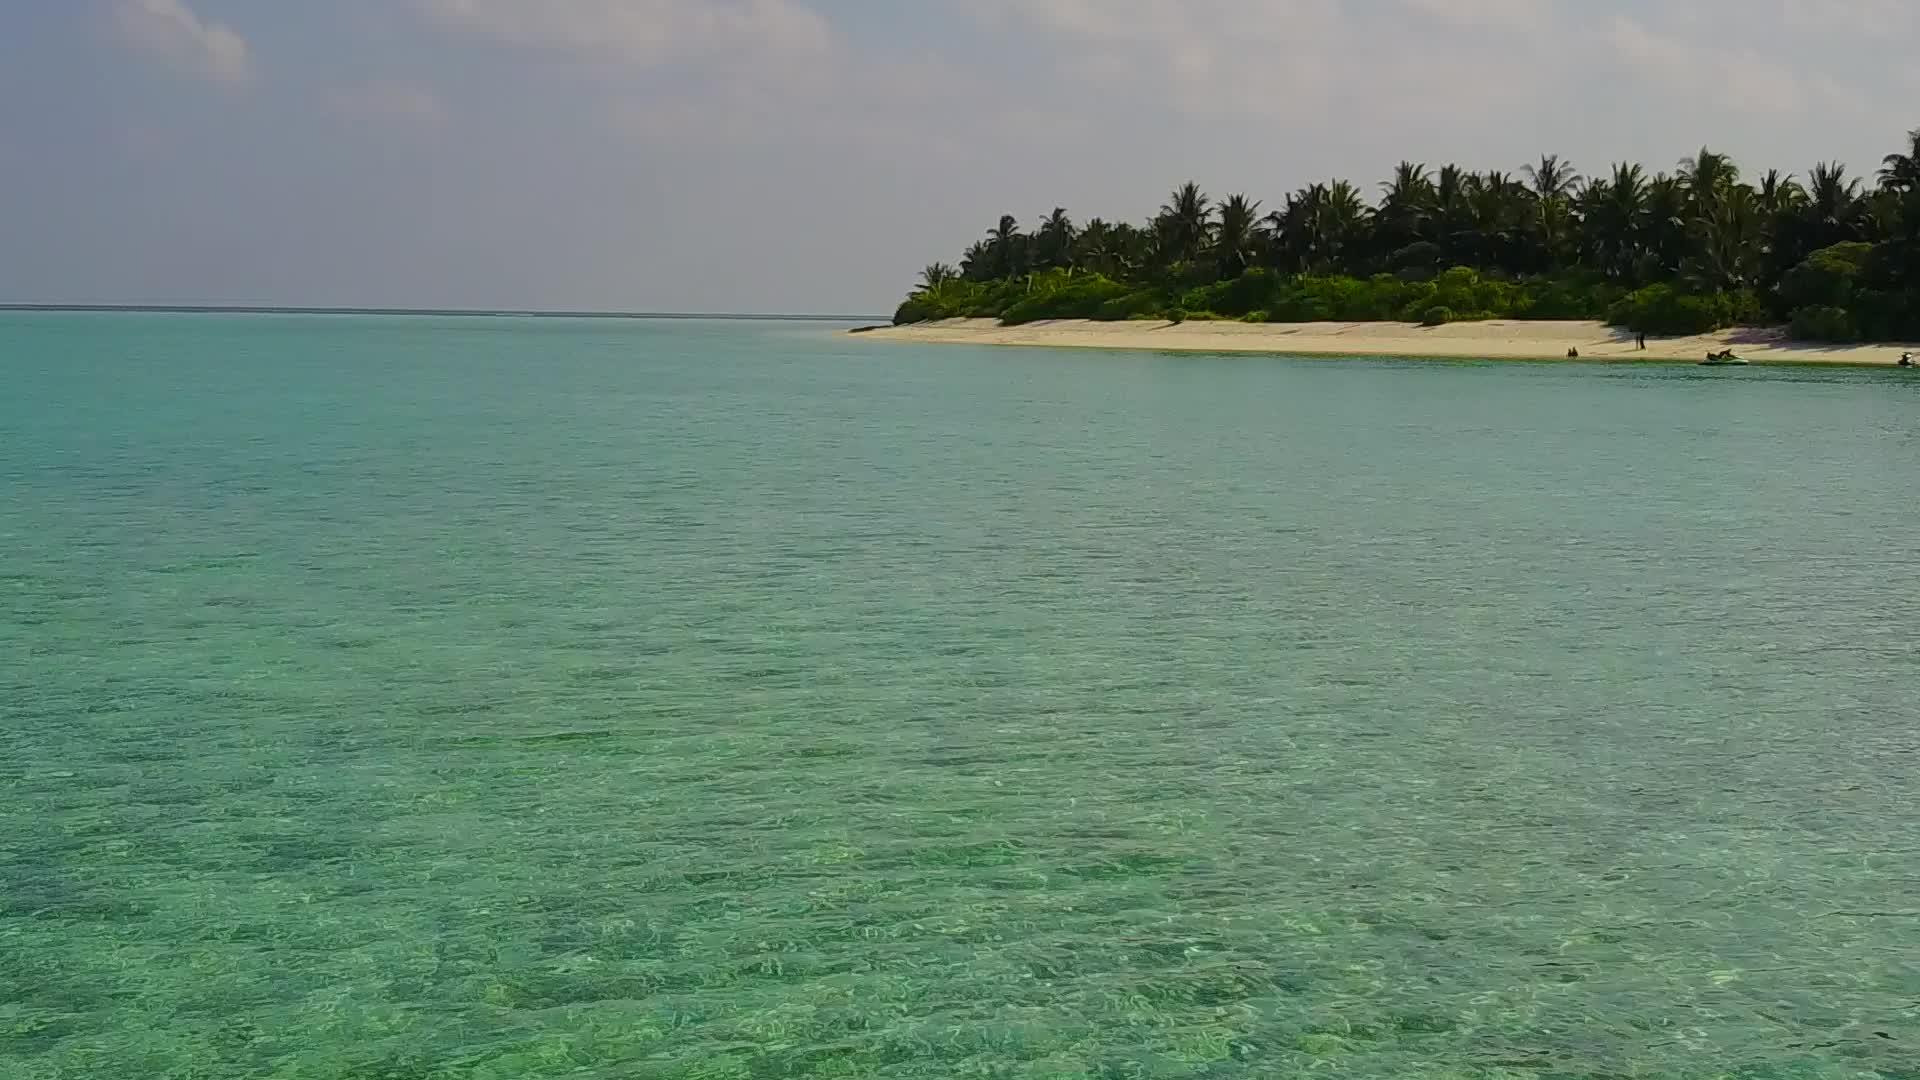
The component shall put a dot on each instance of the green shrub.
(1826, 278)
(1886, 314)
(1134, 305)
(1660, 309)
(1824, 322)
(1251, 291)
(1297, 306)
(1415, 298)
(1417, 261)
(912, 310)
(1025, 311)
(1437, 315)
(1745, 308)
(1177, 316)
(1558, 300)
(1261, 294)
(1082, 297)
(1687, 315)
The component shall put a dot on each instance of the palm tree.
(1833, 208)
(1405, 208)
(1502, 209)
(1007, 248)
(1236, 237)
(1701, 227)
(1613, 220)
(1727, 241)
(1901, 172)
(1094, 248)
(1412, 185)
(1884, 213)
(1829, 211)
(1187, 219)
(977, 263)
(1779, 200)
(1451, 225)
(1669, 226)
(1132, 248)
(1780, 193)
(1552, 178)
(1345, 205)
(1324, 227)
(1293, 228)
(936, 275)
(1553, 182)
(1053, 241)
(1284, 231)
(1706, 176)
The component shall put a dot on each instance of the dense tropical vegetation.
(1677, 252)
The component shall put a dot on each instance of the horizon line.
(529, 313)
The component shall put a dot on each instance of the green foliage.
(950, 299)
(1301, 303)
(1662, 251)
(1140, 304)
(1855, 291)
(1826, 278)
(1058, 295)
(1572, 298)
(1824, 322)
(1418, 260)
(913, 309)
(1745, 308)
(1887, 314)
(1235, 297)
(1262, 295)
(1662, 309)
(1437, 315)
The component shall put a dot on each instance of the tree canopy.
(1672, 251)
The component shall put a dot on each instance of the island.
(1543, 263)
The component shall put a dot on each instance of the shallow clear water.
(402, 698)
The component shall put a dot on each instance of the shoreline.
(1497, 339)
(477, 313)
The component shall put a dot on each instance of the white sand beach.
(1494, 340)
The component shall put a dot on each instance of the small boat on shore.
(1723, 359)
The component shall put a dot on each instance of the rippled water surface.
(404, 698)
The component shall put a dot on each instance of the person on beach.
(1640, 342)
(1906, 359)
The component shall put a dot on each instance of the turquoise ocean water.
(405, 698)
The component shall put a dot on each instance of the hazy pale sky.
(812, 155)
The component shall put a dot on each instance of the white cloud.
(168, 29)
(644, 32)
(1497, 14)
(1291, 61)
(1848, 17)
(1734, 78)
(385, 102)
(1240, 55)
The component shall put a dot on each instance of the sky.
(811, 156)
